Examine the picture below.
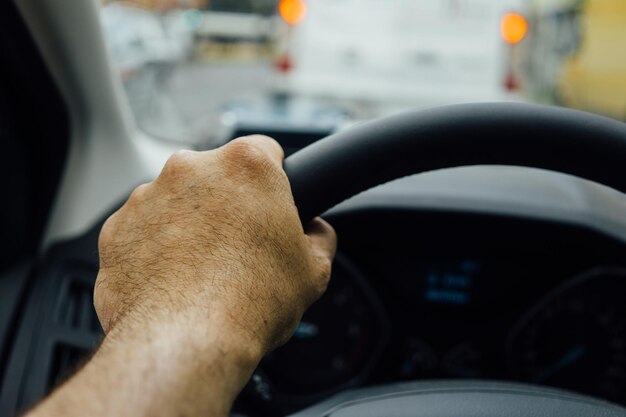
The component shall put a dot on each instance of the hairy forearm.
(202, 271)
(168, 367)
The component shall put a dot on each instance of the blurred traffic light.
(513, 28)
(292, 11)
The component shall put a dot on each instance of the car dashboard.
(421, 295)
(421, 290)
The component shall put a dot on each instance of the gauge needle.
(566, 360)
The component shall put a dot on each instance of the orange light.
(513, 28)
(292, 11)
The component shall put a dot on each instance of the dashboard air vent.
(75, 309)
(65, 360)
(75, 330)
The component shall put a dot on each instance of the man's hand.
(217, 232)
(202, 271)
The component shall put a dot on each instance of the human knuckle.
(106, 233)
(256, 139)
(247, 156)
(138, 194)
(181, 162)
(325, 268)
(331, 233)
(321, 278)
(98, 291)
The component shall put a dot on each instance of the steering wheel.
(345, 164)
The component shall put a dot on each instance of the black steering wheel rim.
(557, 139)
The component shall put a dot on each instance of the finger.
(323, 238)
(267, 145)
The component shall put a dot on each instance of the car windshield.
(194, 70)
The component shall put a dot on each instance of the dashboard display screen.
(450, 283)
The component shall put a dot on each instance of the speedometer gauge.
(336, 342)
(576, 337)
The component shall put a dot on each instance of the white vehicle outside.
(417, 52)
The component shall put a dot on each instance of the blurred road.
(198, 89)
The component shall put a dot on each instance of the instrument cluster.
(448, 296)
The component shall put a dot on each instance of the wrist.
(180, 363)
(201, 330)
(185, 357)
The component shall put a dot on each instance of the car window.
(192, 68)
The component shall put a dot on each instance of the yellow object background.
(594, 79)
